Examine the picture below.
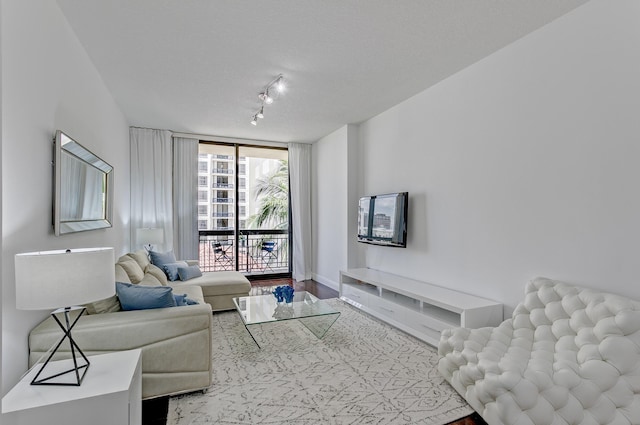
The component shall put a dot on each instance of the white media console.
(418, 308)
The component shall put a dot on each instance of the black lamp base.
(80, 361)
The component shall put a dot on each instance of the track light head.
(265, 98)
(279, 84)
(254, 121)
(260, 113)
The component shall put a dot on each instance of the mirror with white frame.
(83, 186)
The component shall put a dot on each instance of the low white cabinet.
(418, 308)
(110, 394)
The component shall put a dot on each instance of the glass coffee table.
(316, 315)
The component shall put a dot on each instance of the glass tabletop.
(258, 309)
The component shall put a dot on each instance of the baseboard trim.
(325, 281)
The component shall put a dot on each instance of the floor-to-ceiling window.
(243, 209)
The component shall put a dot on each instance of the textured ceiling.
(196, 66)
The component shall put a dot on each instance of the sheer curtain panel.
(185, 193)
(300, 187)
(151, 184)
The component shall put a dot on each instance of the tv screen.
(382, 219)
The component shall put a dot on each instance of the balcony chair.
(266, 255)
(223, 255)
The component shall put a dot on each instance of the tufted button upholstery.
(568, 355)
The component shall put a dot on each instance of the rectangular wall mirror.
(83, 187)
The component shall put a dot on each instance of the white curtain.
(300, 187)
(151, 184)
(185, 193)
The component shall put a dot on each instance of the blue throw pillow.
(184, 300)
(171, 269)
(138, 297)
(180, 299)
(190, 272)
(159, 259)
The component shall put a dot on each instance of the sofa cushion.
(121, 275)
(142, 258)
(132, 268)
(137, 297)
(192, 292)
(150, 280)
(171, 269)
(190, 272)
(108, 305)
(157, 272)
(219, 283)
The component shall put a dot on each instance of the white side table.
(110, 394)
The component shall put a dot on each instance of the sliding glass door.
(243, 209)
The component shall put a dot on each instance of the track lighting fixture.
(266, 97)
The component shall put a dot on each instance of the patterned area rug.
(362, 372)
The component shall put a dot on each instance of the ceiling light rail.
(272, 91)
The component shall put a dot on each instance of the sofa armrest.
(123, 330)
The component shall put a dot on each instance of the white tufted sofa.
(568, 355)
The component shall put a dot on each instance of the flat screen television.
(382, 219)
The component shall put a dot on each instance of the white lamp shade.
(53, 279)
(150, 235)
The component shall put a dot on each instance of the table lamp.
(51, 279)
(148, 236)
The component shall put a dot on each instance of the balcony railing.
(258, 251)
(222, 200)
(223, 185)
(221, 214)
(222, 171)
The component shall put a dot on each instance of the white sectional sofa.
(175, 341)
(569, 355)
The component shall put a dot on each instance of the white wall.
(328, 205)
(524, 164)
(48, 83)
(332, 185)
(1, 241)
(355, 253)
